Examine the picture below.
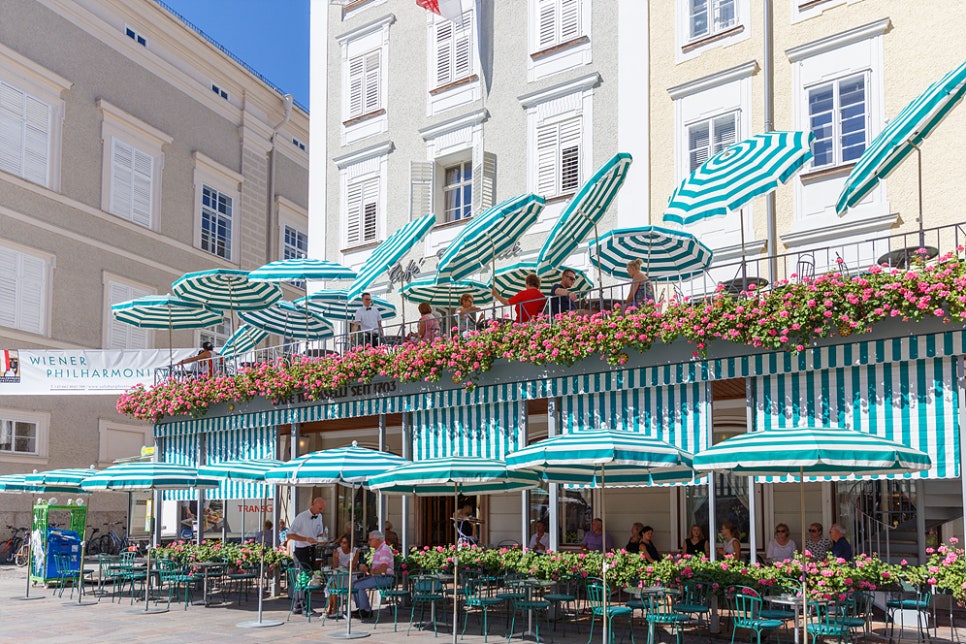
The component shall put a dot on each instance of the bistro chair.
(564, 599)
(920, 602)
(66, 574)
(300, 580)
(824, 621)
(426, 591)
(531, 605)
(337, 586)
(477, 594)
(596, 596)
(856, 611)
(241, 579)
(178, 583)
(659, 612)
(695, 602)
(746, 613)
(392, 596)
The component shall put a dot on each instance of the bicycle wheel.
(93, 547)
(106, 545)
(22, 555)
(7, 550)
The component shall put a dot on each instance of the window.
(299, 144)
(295, 245)
(136, 37)
(217, 334)
(558, 157)
(364, 84)
(363, 210)
(119, 334)
(558, 21)
(132, 179)
(219, 91)
(23, 290)
(25, 123)
(458, 191)
(454, 49)
(838, 117)
(707, 138)
(709, 17)
(216, 220)
(18, 436)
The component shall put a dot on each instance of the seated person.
(204, 363)
(539, 540)
(781, 548)
(595, 540)
(696, 544)
(428, 329)
(562, 298)
(642, 290)
(468, 316)
(265, 535)
(529, 302)
(648, 549)
(391, 537)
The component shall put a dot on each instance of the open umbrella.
(667, 255)
(245, 339)
(301, 269)
(348, 466)
(595, 456)
(810, 451)
(247, 470)
(900, 137)
(512, 279)
(388, 252)
(165, 312)
(333, 304)
(226, 289)
(459, 475)
(585, 211)
(288, 320)
(488, 234)
(147, 475)
(738, 174)
(446, 294)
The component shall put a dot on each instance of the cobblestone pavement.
(60, 619)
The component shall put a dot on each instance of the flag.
(452, 10)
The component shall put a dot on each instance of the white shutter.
(142, 188)
(420, 188)
(33, 293)
(546, 23)
(463, 46)
(569, 142)
(36, 141)
(362, 212)
(353, 214)
(121, 178)
(373, 82)
(9, 278)
(547, 160)
(370, 210)
(484, 182)
(444, 52)
(356, 76)
(569, 19)
(11, 129)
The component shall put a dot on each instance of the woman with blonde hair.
(696, 544)
(642, 290)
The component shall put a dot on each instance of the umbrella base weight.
(348, 636)
(259, 624)
(149, 611)
(28, 597)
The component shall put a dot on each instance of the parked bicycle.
(23, 554)
(11, 546)
(111, 543)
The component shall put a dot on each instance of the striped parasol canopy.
(333, 304)
(446, 294)
(488, 234)
(585, 210)
(901, 136)
(301, 268)
(245, 339)
(164, 312)
(288, 320)
(813, 451)
(252, 469)
(512, 279)
(390, 251)
(735, 176)
(147, 475)
(468, 475)
(667, 255)
(70, 477)
(226, 289)
(18, 484)
(352, 465)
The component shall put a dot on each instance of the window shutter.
(9, 277)
(570, 155)
(725, 132)
(356, 74)
(11, 126)
(33, 294)
(484, 182)
(353, 214)
(569, 19)
(547, 160)
(141, 188)
(36, 141)
(547, 23)
(420, 188)
(444, 52)
(370, 209)
(463, 63)
(363, 209)
(372, 98)
(121, 178)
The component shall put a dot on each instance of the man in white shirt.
(306, 530)
(368, 322)
(539, 540)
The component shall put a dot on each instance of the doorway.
(435, 519)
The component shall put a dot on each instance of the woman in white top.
(781, 548)
(343, 558)
(731, 545)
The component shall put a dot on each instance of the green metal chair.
(658, 611)
(855, 612)
(301, 581)
(426, 591)
(176, 580)
(564, 599)
(824, 622)
(66, 574)
(746, 613)
(241, 580)
(531, 604)
(392, 596)
(920, 602)
(695, 602)
(479, 593)
(596, 596)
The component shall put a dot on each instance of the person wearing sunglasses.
(817, 545)
(782, 547)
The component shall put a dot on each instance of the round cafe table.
(904, 257)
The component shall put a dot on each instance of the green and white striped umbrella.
(512, 279)
(250, 469)
(333, 304)
(813, 451)
(585, 210)
(164, 312)
(446, 294)
(245, 339)
(147, 475)
(352, 465)
(901, 136)
(18, 484)
(468, 475)
(288, 320)
(488, 234)
(226, 289)
(390, 251)
(301, 269)
(735, 176)
(667, 255)
(70, 477)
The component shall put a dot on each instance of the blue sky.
(270, 36)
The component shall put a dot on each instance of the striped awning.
(333, 304)
(512, 279)
(226, 289)
(446, 293)
(735, 176)
(449, 475)
(390, 251)
(245, 339)
(164, 312)
(223, 445)
(147, 475)
(901, 136)
(288, 320)
(488, 234)
(342, 465)
(301, 268)
(585, 211)
(478, 431)
(18, 484)
(666, 254)
(251, 469)
(70, 477)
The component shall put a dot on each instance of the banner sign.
(53, 372)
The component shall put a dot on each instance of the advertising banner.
(54, 372)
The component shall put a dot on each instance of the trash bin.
(63, 543)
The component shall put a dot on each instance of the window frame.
(368, 188)
(214, 176)
(462, 186)
(837, 134)
(24, 287)
(114, 284)
(41, 422)
(713, 28)
(711, 150)
(370, 39)
(464, 31)
(563, 51)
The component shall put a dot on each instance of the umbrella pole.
(456, 562)
(30, 555)
(349, 635)
(603, 549)
(260, 623)
(801, 504)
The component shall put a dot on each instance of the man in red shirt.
(529, 302)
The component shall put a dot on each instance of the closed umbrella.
(594, 457)
(389, 252)
(488, 234)
(738, 174)
(667, 255)
(147, 475)
(245, 339)
(585, 211)
(165, 312)
(900, 137)
(348, 466)
(458, 475)
(288, 320)
(810, 451)
(247, 470)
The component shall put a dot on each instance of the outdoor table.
(737, 285)
(531, 586)
(204, 566)
(652, 591)
(792, 601)
(902, 257)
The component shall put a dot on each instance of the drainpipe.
(769, 91)
(271, 234)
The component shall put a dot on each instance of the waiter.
(305, 531)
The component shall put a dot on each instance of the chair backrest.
(657, 603)
(805, 267)
(338, 582)
(825, 612)
(424, 586)
(596, 591)
(696, 593)
(746, 602)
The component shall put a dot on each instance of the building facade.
(133, 149)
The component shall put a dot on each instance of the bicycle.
(23, 554)
(10, 547)
(92, 546)
(112, 543)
